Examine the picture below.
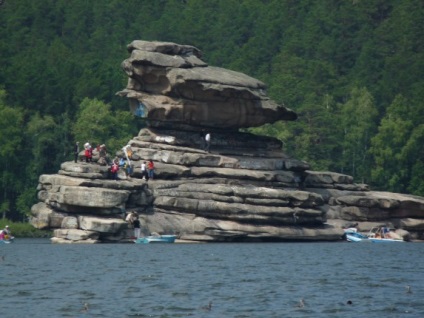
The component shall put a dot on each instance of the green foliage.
(358, 117)
(388, 147)
(24, 229)
(25, 201)
(97, 124)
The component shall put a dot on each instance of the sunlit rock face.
(171, 86)
(244, 189)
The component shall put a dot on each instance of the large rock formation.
(176, 89)
(244, 189)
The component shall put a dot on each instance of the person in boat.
(385, 232)
(2, 235)
(6, 233)
(7, 230)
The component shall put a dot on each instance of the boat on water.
(156, 239)
(352, 235)
(7, 241)
(379, 234)
(382, 234)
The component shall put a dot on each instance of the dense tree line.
(352, 70)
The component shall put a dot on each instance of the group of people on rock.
(147, 167)
(6, 234)
(88, 153)
(147, 170)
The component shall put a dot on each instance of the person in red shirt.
(150, 169)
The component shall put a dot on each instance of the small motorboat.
(156, 239)
(383, 234)
(356, 237)
(352, 235)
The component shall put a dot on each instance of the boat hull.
(383, 240)
(156, 239)
(8, 241)
(356, 237)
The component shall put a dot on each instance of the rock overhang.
(169, 83)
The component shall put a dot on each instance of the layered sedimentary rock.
(245, 189)
(174, 88)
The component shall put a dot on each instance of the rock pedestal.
(244, 189)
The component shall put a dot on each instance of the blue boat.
(352, 235)
(356, 237)
(156, 239)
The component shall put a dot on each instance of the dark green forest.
(351, 69)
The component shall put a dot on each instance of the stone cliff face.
(244, 189)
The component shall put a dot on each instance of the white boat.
(382, 234)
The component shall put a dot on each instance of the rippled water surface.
(39, 279)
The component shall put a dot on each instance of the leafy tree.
(97, 123)
(358, 117)
(11, 155)
(26, 199)
(42, 135)
(393, 134)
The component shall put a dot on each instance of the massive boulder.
(172, 87)
(244, 189)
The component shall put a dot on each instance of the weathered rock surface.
(245, 189)
(175, 88)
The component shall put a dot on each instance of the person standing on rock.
(207, 141)
(136, 224)
(144, 174)
(76, 151)
(128, 169)
(114, 170)
(102, 155)
(130, 218)
(151, 169)
(88, 152)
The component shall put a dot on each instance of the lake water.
(39, 279)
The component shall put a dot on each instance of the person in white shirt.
(144, 174)
(207, 142)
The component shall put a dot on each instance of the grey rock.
(102, 225)
(175, 86)
(244, 189)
